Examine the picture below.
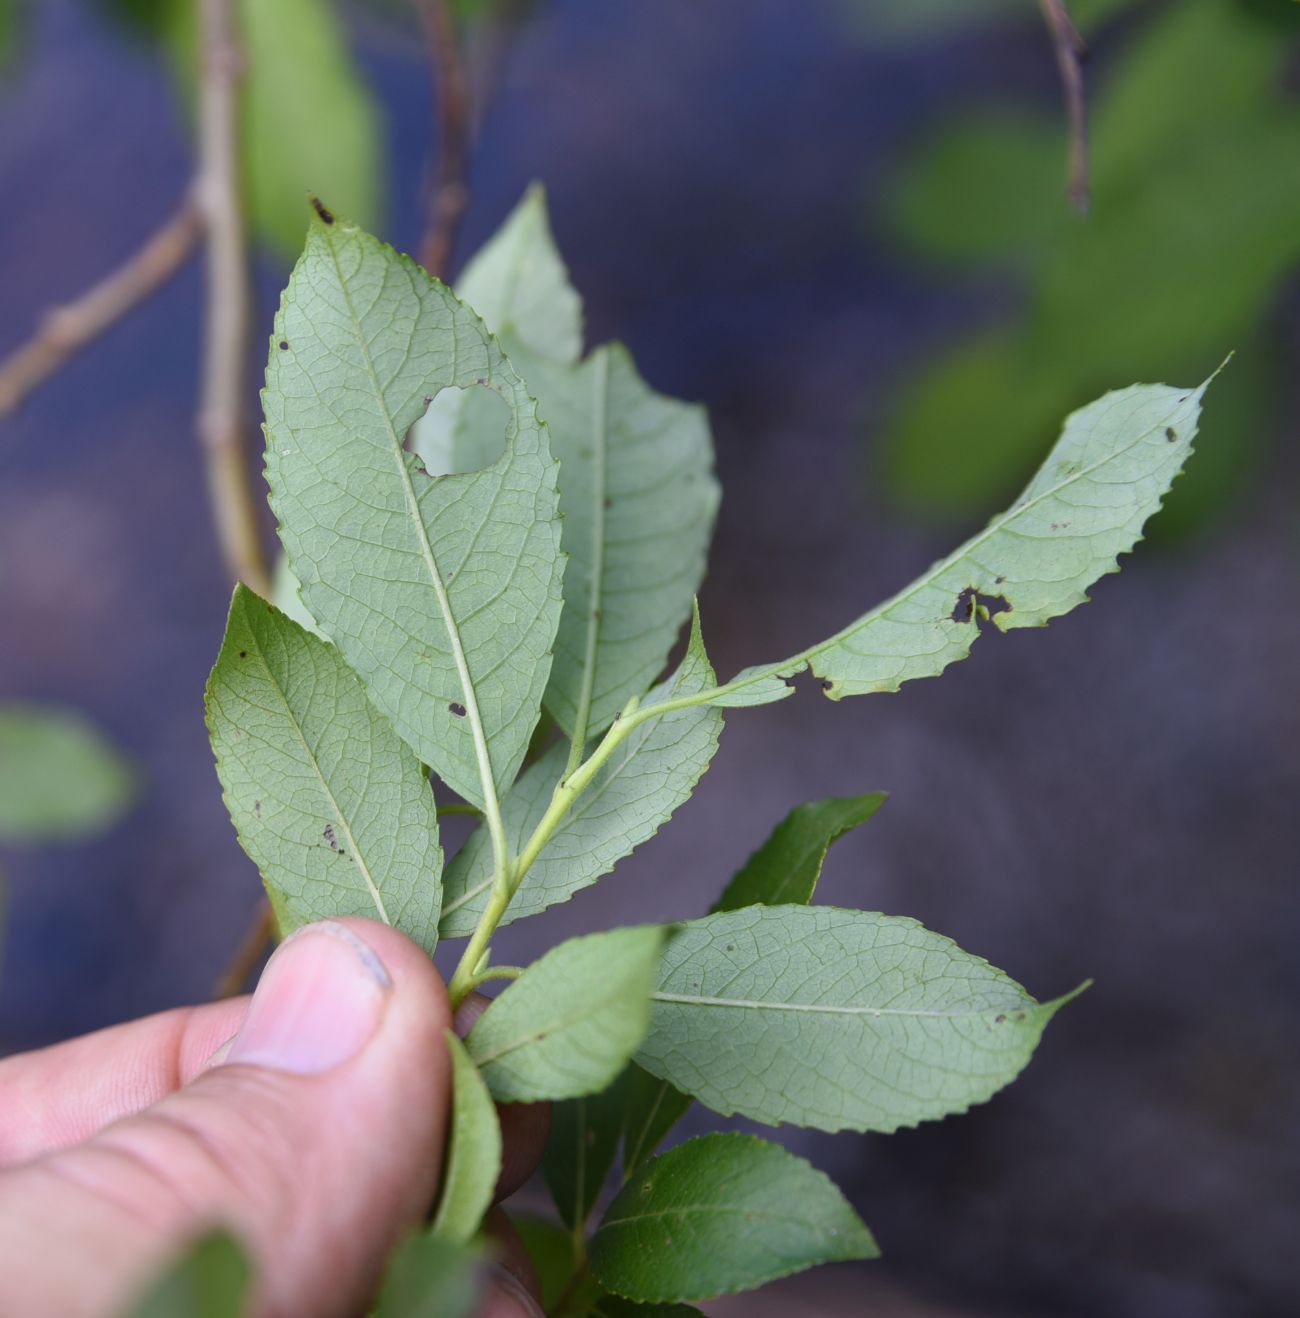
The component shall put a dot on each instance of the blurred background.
(841, 225)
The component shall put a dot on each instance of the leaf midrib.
(999, 523)
(755, 1004)
(435, 576)
(339, 816)
(600, 436)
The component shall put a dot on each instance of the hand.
(309, 1119)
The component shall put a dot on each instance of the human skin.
(310, 1120)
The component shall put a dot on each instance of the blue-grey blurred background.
(840, 225)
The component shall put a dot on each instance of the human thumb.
(316, 1138)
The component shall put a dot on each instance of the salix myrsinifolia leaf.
(1106, 475)
(834, 1019)
(650, 775)
(442, 593)
(330, 805)
(472, 1161)
(570, 1023)
(637, 491)
(719, 1214)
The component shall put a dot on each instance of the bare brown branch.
(222, 422)
(252, 948)
(66, 330)
(1070, 54)
(449, 197)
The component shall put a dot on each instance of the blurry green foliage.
(310, 122)
(905, 20)
(60, 780)
(1195, 226)
(210, 1279)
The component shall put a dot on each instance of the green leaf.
(637, 492)
(308, 121)
(787, 866)
(443, 594)
(1111, 297)
(720, 1214)
(654, 1107)
(473, 1158)
(568, 1025)
(646, 779)
(580, 1151)
(1108, 472)
(335, 812)
(614, 1306)
(310, 124)
(431, 1277)
(834, 1019)
(519, 284)
(211, 1279)
(639, 499)
(286, 596)
(550, 1250)
(60, 778)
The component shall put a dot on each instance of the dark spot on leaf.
(997, 1020)
(998, 580)
(243, 654)
(257, 809)
(731, 947)
(331, 838)
(457, 708)
(1171, 434)
(827, 684)
(284, 345)
(327, 216)
(428, 398)
(595, 613)
(609, 503)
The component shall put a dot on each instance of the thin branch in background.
(222, 422)
(248, 954)
(66, 330)
(450, 193)
(1071, 51)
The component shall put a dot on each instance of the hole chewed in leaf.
(971, 606)
(462, 430)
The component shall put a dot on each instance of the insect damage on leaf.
(491, 545)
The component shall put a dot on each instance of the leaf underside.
(646, 780)
(834, 1019)
(569, 1024)
(1106, 475)
(332, 808)
(473, 1158)
(637, 492)
(442, 593)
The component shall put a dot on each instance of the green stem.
(459, 808)
(567, 791)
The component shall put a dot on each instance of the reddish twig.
(66, 330)
(1070, 54)
(252, 948)
(449, 196)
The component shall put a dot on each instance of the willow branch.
(222, 423)
(1070, 54)
(65, 330)
(449, 198)
(252, 948)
